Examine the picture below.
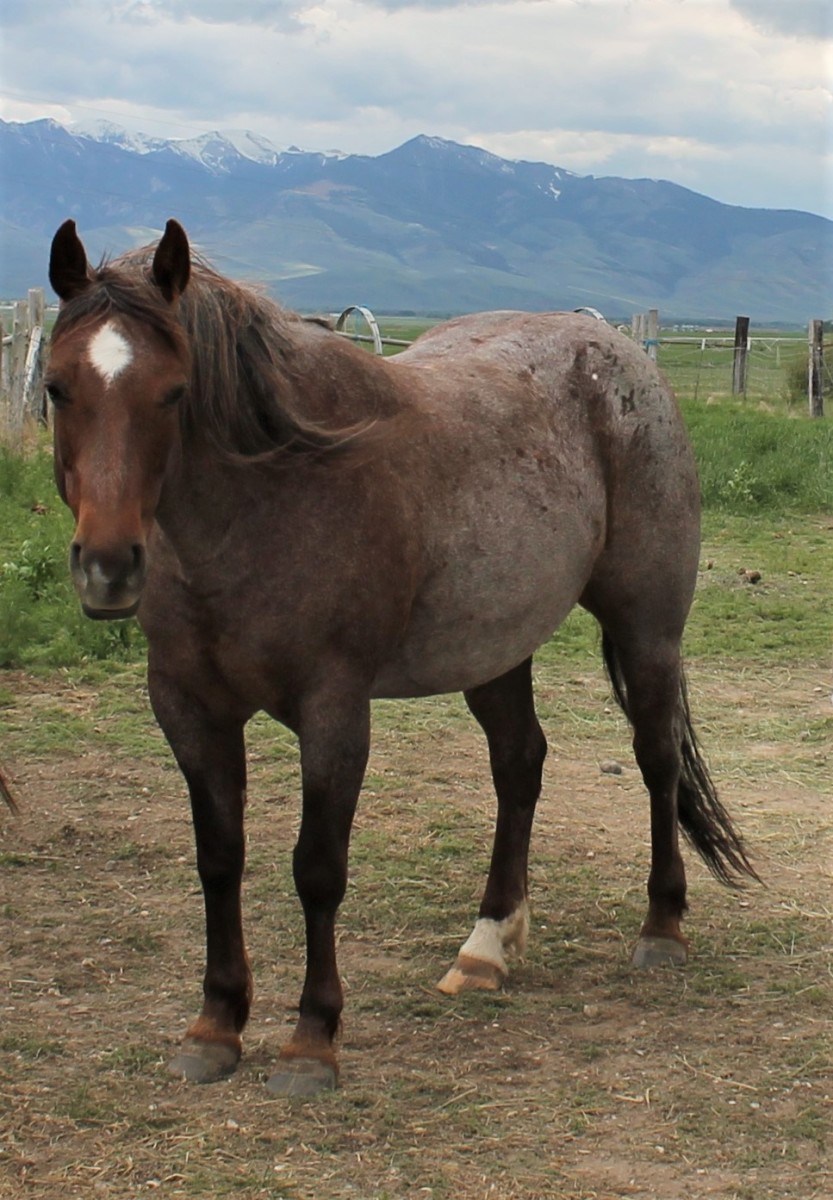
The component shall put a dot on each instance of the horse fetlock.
(481, 963)
(491, 939)
(225, 1013)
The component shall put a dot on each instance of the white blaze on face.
(109, 352)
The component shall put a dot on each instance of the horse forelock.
(122, 288)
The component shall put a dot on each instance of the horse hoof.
(302, 1077)
(659, 952)
(471, 974)
(204, 1062)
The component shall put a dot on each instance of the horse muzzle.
(109, 583)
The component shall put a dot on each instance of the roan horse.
(302, 527)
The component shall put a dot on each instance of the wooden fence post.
(21, 377)
(652, 333)
(816, 369)
(740, 359)
(34, 402)
(20, 340)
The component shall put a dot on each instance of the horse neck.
(203, 497)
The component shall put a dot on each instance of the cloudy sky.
(733, 98)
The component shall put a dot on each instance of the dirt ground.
(582, 1080)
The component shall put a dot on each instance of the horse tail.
(703, 819)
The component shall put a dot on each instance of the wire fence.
(777, 368)
(699, 366)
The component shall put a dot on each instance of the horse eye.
(56, 394)
(174, 396)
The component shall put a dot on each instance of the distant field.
(698, 361)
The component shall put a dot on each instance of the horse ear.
(68, 272)
(172, 262)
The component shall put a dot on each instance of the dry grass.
(581, 1080)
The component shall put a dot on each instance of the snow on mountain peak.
(218, 151)
(114, 135)
(215, 150)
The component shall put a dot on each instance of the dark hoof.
(302, 1077)
(204, 1062)
(659, 952)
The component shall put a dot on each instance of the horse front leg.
(334, 734)
(211, 755)
(505, 711)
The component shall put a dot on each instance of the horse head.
(118, 367)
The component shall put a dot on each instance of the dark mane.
(242, 351)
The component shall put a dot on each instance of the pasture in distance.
(582, 1079)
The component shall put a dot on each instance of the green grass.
(782, 618)
(31, 1048)
(41, 623)
(753, 462)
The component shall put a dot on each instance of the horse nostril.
(138, 559)
(75, 556)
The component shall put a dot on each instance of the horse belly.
(486, 610)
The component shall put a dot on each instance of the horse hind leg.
(649, 684)
(505, 711)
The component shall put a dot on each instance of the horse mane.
(242, 349)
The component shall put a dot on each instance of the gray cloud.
(793, 18)
(270, 14)
(400, 5)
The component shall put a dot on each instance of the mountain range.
(430, 227)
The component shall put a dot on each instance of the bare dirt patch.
(581, 1080)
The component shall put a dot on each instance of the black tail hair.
(704, 821)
